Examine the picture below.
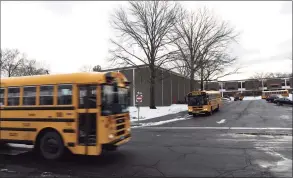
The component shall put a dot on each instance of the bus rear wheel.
(51, 146)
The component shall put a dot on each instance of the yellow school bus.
(283, 93)
(82, 112)
(238, 96)
(203, 102)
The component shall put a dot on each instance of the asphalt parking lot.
(244, 139)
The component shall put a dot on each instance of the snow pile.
(252, 98)
(147, 113)
(20, 145)
(221, 121)
(162, 122)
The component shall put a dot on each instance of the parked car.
(271, 98)
(282, 101)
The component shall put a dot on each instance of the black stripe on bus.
(39, 108)
(70, 144)
(36, 120)
(28, 142)
(68, 130)
(18, 129)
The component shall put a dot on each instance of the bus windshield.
(115, 100)
(197, 100)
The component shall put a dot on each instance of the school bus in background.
(203, 102)
(238, 96)
(82, 112)
(283, 93)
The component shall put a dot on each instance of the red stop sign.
(139, 98)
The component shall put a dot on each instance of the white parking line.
(219, 128)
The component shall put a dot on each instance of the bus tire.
(218, 109)
(211, 112)
(110, 148)
(51, 146)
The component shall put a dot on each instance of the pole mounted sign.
(139, 97)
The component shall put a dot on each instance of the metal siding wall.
(187, 86)
(167, 90)
(142, 84)
(174, 88)
(129, 74)
(181, 89)
(158, 88)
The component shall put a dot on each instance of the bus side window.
(46, 94)
(65, 94)
(29, 95)
(13, 96)
(2, 96)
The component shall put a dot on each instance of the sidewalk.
(158, 119)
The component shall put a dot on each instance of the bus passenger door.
(87, 118)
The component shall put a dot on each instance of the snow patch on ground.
(252, 98)
(146, 113)
(286, 117)
(20, 145)
(284, 165)
(161, 122)
(221, 121)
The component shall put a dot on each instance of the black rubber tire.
(59, 145)
(218, 109)
(211, 112)
(110, 148)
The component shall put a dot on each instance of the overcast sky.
(68, 35)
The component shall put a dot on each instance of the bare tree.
(199, 35)
(97, 68)
(31, 67)
(215, 66)
(143, 30)
(11, 61)
(14, 63)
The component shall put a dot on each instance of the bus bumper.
(121, 141)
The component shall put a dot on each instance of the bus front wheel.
(211, 112)
(51, 146)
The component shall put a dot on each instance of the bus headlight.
(111, 136)
(128, 129)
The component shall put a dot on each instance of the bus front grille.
(197, 108)
(120, 133)
(120, 125)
